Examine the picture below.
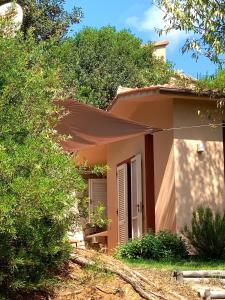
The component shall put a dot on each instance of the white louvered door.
(97, 190)
(122, 194)
(136, 196)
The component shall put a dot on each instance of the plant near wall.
(207, 233)
(99, 170)
(94, 218)
(98, 218)
(161, 246)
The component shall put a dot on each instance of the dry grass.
(91, 284)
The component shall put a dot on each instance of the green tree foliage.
(206, 234)
(214, 83)
(215, 86)
(204, 18)
(97, 61)
(47, 18)
(37, 179)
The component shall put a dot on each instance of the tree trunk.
(137, 281)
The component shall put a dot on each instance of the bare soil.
(91, 284)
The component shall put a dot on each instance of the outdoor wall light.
(200, 147)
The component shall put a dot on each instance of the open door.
(122, 194)
(136, 196)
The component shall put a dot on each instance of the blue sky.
(141, 17)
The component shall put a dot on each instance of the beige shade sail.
(88, 126)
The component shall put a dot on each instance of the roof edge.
(165, 90)
(161, 44)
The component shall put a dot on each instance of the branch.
(130, 277)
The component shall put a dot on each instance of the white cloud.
(152, 19)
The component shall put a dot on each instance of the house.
(158, 175)
(164, 158)
(92, 129)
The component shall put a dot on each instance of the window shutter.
(97, 193)
(122, 194)
(136, 196)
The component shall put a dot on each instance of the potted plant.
(97, 221)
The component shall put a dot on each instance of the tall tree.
(205, 18)
(97, 61)
(37, 179)
(47, 17)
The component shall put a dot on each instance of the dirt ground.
(91, 284)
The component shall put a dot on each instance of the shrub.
(170, 245)
(132, 249)
(161, 246)
(207, 233)
(37, 179)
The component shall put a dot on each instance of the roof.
(162, 89)
(161, 44)
(88, 126)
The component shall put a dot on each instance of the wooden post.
(207, 295)
(179, 276)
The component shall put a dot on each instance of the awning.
(88, 126)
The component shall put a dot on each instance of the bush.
(37, 179)
(207, 233)
(161, 246)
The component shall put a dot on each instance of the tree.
(215, 83)
(37, 179)
(205, 18)
(47, 17)
(97, 61)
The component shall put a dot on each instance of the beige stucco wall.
(160, 52)
(158, 112)
(96, 155)
(116, 154)
(184, 179)
(164, 181)
(199, 178)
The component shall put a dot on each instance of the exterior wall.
(93, 156)
(160, 52)
(165, 207)
(116, 154)
(199, 178)
(159, 113)
(183, 179)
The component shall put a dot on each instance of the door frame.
(150, 221)
(139, 194)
